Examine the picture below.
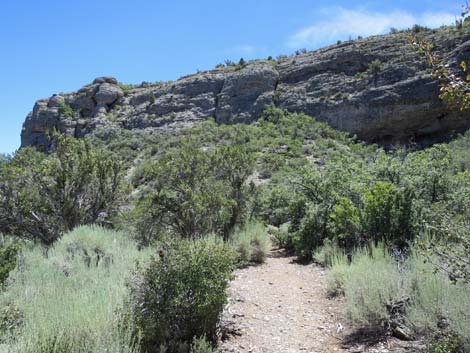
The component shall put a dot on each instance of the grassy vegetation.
(252, 244)
(374, 281)
(94, 291)
(68, 297)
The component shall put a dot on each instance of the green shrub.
(63, 305)
(374, 67)
(281, 237)
(312, 230)
(65, 110)
(459, 151)
(372, 283)
(200, 345)
(418, 29)
(193, 192)
(181, 293)
(273, 114)
(345, 224)
(448, 343)
(337, 276)
(449, 241)
(11, 319)
(251, 243)
(436, 302)
(389, 215)
(126, 88)
(276, 204)
(43, 196)
(330, 253)
(336, 260)
(430, 172)
(8, 255)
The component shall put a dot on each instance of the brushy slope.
(326, 196)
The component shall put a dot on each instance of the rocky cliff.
(378, 88)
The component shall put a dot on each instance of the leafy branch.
(454, 89)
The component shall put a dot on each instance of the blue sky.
(58, 46)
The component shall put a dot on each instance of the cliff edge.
(378, 88)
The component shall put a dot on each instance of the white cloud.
(340, 23)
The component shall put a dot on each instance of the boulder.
(108, 94)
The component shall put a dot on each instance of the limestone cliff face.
(378, 88)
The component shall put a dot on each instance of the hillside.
(378, 88)
(234, 210)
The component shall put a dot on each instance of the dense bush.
(65, 110)
(370, 196)
(449, 241)
(11, 318)
(448, 343)
(312, 230)
(42, 196)
(389, 215)
(181, 293)
(192, 192)
(345, 224)
(8, 256)
(330, 253)
(210, 178)
(459, 151)
(327, 205)
(430, 172)
(274, 203)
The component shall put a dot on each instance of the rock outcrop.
(378, 88)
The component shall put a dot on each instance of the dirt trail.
(281, 307)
